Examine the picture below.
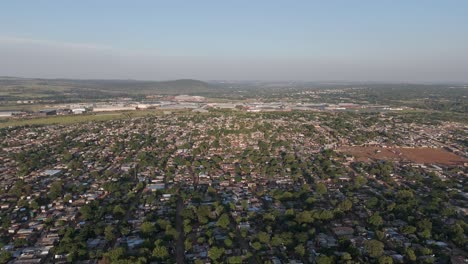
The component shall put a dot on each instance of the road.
(241, 240)
(180, 247)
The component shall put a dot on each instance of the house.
(52, 172)
(155, 187)
(343, 231)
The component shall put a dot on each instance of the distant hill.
(170, 87)
(21, 88)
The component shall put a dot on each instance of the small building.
(79, 111)
(156, 187)
(343, 231)
(48, 112)
(52, 172)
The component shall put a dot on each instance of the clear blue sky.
(399, 40)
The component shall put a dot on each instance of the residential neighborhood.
(235, 187)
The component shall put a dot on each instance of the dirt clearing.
(416, 155)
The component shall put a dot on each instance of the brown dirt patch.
(416, 155)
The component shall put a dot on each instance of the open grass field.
(24, 107)
(416, 155)
(72, 119)
(13, 89)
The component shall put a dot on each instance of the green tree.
(276, 240)
(256, 245)
(215, 253)
(304, 217)
(380, 235)
(115, 254)
(324, 260)
(263, 237)
(55, 190)
(372, 202)
(321, 188)
(234, 260)
(300, 250)
(424, 224)
(160, 252)
(345, 205)
(374, 248)
(147, 229)
(125, 230)
(223, 221)
(188, 244)
(5, 256)
(87, 212)
(385, 260)
(346, 257)
(228, 242)
(410, 254)
(404, 194)
(457, 233)
(67, 197)
(408, 229)
(34, 205)
(359, 181)
(376, 220)
(109, 233)
(187, 226)
(426, 233)
(119, 211)
(20, 242)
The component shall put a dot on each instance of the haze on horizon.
(397, 41)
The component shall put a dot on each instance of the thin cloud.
(73, 46)
(19, 40)
(46, 58)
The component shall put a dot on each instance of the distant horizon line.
(238, 80)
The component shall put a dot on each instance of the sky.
(362, 40)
